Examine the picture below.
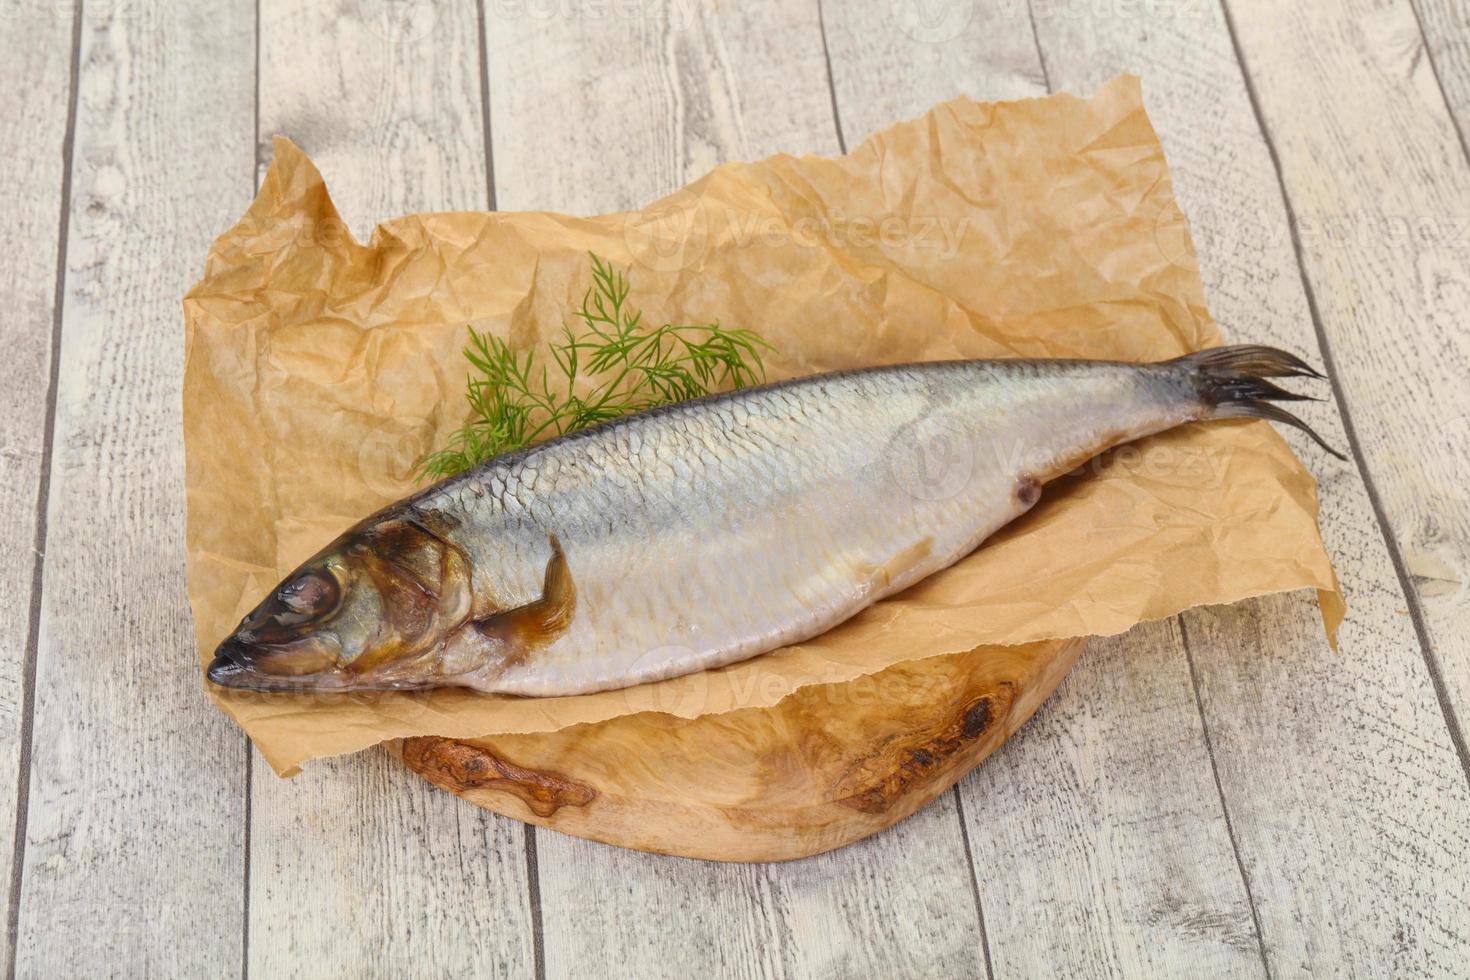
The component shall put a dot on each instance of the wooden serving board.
(828, 765)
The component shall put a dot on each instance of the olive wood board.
(828, 765)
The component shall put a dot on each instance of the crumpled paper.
(319, 369)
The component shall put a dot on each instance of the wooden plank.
(893, 61)
(1446, 34)
(1345, 794)
(134, 855)
(897, 904)
(384, 97)
(1384, 242)
(615, 105)
(37, 74)
(691, 87)
(359, 867)
(1088, 812)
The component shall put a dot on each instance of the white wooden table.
(1215, 795)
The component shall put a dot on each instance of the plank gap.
(831, 85)
(1040, 54)
(959, 810)
(245, 876)
(485, 110)
(1449, 107)
(43, 496)
(1204, 723)
(256, 171)
(533, 894)
(259, 165)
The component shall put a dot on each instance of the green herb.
(517, 398)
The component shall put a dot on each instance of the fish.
(706, 532)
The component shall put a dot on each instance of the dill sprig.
(517, 398)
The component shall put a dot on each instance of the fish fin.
(542, 620)
(1275, 413)
(1254, 359)
(1230, 382)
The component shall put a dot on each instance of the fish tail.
(1230, 382)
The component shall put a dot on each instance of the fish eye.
(311, 595)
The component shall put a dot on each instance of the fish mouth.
(225, 672)
(230, 666)
(240, 667)
(236, 676)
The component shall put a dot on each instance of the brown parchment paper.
(319, 369)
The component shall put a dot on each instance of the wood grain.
(1446, 35)
(1100, 828)
(36, 73)
(357, 866)
(134, 856)
(385, 98)
(825, 766)
(604, 107)
(938, 50)
(1324, 758)
(880, 907)
(360, 868)
(594, 113)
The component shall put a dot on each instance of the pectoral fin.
(541, 621)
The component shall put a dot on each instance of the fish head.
(368, 612)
